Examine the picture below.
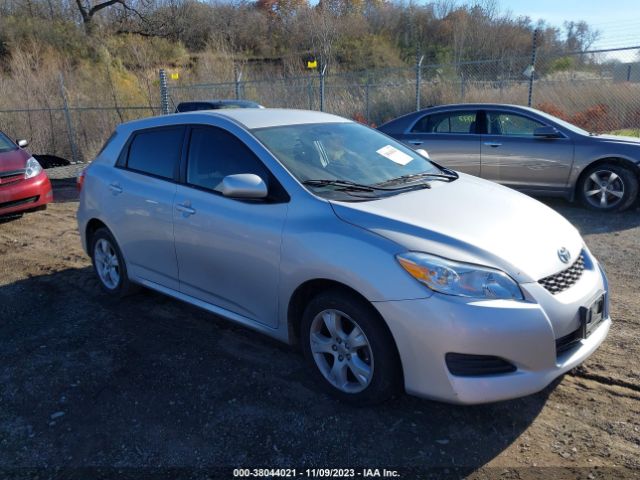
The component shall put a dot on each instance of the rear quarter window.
(156, 152)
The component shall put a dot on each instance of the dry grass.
(114, 85)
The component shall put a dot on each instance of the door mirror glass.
(546, 132)
(22, 143)
(243, 185)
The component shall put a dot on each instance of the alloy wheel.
(341, 351)
(604, 189)
(107, 264)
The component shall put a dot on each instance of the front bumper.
(523, 333)
(25, 195)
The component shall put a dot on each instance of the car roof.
(269, 117)
(249, 118)
(476, 105)
(404, 121)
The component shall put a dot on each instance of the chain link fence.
(598, 90)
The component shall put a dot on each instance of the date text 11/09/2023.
(315, 473)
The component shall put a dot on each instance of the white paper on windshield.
(394, 155)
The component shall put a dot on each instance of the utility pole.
(419, 60)
(322, 74)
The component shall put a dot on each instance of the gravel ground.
(94, 388)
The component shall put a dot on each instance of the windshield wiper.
(449, 177)
(346, 185)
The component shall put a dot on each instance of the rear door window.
(156, 152)
(447, 122)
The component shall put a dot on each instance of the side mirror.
(547, 132)
(243, 185)
(22, 143)
(423, 153)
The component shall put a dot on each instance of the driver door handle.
(416, 142)
(492, 144)
(185, 208)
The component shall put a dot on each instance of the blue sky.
(618, 21)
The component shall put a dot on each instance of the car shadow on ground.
(149, 381)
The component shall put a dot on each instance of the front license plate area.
(592, 316)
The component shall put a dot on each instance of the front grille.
(568, 342)
(11, 173)
(566, 278)
(465, 365)
(7, 178)
(22, 201)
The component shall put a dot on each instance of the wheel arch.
(614, 160)
(91, 228)
(309, 289)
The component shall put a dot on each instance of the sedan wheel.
(609, 187)
(604, 189)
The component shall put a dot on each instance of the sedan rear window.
(156, 152)
(449, 122)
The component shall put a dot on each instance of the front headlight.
(461, 279)
(33, 168)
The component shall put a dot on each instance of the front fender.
(317, 245)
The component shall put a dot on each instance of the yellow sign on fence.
(312, 64)
(175, 76)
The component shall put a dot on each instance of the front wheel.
(608, 187)
(349, 349)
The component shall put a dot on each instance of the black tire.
(124, 286)
(386, 377)
(625, 183)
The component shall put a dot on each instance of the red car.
(24, 186)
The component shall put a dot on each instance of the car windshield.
(345, 152)
(6, 145)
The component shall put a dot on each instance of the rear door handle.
(492, 144)
(416, 142)
(186, 209)
(115, 188)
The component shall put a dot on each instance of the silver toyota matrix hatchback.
(390, 271)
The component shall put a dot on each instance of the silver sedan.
(528, 150)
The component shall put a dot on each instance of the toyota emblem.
(564, 255)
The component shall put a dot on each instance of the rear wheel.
(608, 187)
(350, 349)
(109, 265)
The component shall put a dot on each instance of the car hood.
(12, 161)
(619, 139)
(472, 220)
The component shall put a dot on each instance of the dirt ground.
(94, 388)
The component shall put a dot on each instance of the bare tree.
(88, 10)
